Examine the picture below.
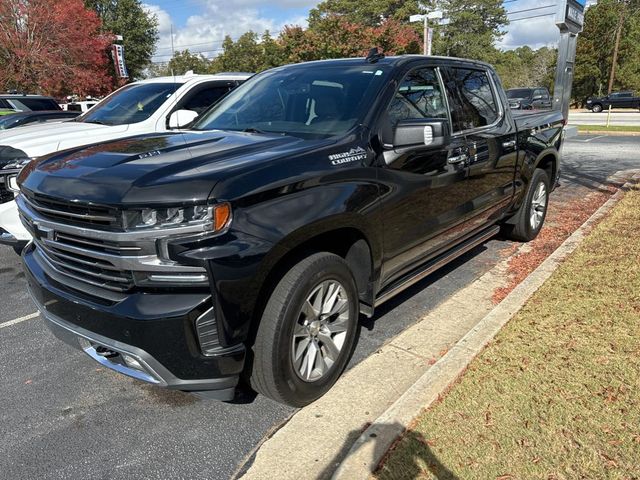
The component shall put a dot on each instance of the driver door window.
(204, 98)
(419, 96)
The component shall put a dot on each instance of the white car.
(82, 107)
(147, 106)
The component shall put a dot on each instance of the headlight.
(212, 217)
(589, 101)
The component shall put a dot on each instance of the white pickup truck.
(147, 106)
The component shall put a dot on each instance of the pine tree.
(472, 30)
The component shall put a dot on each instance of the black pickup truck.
(613, 100)
(248, 246)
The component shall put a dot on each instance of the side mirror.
(422, 132)
(182, 118)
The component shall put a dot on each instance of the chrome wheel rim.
(320, 331)
(538, 206)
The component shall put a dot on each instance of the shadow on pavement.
(422, 459)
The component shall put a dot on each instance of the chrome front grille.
(105, 264)
(82, 266)
(80, 214)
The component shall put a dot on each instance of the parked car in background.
(148, 106)
(613, 100)
(80, 107)
(249, 244)
(537, 98)
(21, 119)
(27, 103)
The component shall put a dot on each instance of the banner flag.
(118, 61)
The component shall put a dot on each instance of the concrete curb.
(372, 445)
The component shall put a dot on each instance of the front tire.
(597, 108)
(308, 331)
(525, 225)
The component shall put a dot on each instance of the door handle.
(458, 159)
(509, 144)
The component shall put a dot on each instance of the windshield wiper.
(97, 122)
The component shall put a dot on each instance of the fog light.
(132, 362)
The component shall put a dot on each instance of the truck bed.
(531, 119)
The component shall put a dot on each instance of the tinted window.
(38, 104)
(471, 99)
(131, 104)
(4, 103)
(542, 93)
(74, 107)
(316, 102)
(518, 93)
(204, 99)
(419, 96)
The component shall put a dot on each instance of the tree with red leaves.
(335, 37)
(53, 47)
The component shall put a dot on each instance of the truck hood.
(38, 140)
(157, 169)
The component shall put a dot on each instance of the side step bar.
(437, 263)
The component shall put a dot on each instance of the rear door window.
(471, 99)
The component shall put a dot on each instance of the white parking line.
(18, 320)
(594, 138)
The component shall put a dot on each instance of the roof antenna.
(374, 55)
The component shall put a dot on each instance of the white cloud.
(534, 32)
(205, 31)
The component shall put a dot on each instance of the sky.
(201, 25)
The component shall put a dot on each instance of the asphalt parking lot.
(63, 416)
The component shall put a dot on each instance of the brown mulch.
(563, 218)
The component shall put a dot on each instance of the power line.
(533, 16)
(529, 9)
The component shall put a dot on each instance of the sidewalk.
(556, 395)
(318, 438)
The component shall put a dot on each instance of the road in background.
(627, 118)
(63, 416)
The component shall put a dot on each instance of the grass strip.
(557, 394)
(611, 128)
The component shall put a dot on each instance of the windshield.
(8, 121)
(311, 102)
(519, 93)
(130, 104)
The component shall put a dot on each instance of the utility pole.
(616, 48)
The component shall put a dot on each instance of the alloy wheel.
(320, 331)
(538, 206)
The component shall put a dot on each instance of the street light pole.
(426, 34)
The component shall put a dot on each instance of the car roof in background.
(197, 77)
(21, 95)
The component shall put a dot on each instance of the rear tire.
(525, 225)
(308, 331)
(597, 108)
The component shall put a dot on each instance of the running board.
(437, 263)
